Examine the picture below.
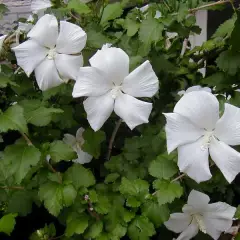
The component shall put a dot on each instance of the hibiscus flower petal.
(228, 126)
(198, 200)
(193, 160)
(79, 134)
(69, 139)
(91, 82)
(98, 110)
(133, 111)
(29, 54)
(178, 222)
(226, 158)
(83, 157)
(47, 76)
(45, 32)
(68, 65)
(200, 107)
(142, 82)
(179, 131)
(218, 218)
(190, 232)
(72, 39)
(113, 61)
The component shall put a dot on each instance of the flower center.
(199, 219)
(115, 91)
(51, 53)
(206, 140)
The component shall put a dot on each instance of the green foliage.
(13, 119)
(58, 151)
(93, 140)
(110, 12)
(162, 167)
(20, 158)
(7, 223)
(79, 7)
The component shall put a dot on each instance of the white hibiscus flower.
(109, 87)
(76, 143)
(40, 5)
(198, 214)
(194, 88)
(195, 129)
(55, 57)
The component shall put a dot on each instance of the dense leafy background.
(132, 194)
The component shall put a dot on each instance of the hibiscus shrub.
(114, 127)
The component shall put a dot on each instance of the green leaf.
(36, 114)
(132, 26)
(79, 176)
(60, 151)
(225, 29)
(235, 37)
(51, 194)
(7, 223)
(92, 142)
(133, 202)
(21, 158)
(150, 32)
(69, 194)
(79, 7)
(112, 177)
(94, 230)
(20, 202)
(157, 213)
(141, 229)
(56, 196)
(5, 80)
(13, 119)
(237, 213)
(229, 62)
(162, 167)
(76, 224)
(111, 12)
(167, 191)
(137, 187)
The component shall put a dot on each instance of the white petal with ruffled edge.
(198, 200)
(190, 232)
(38, 5)
(83, 157)
(45, 32)
(228, 126)
(68, 66)
(69, 139)
(142, 82)
(79, 135)
(179, 131)
(113, 61)
(133, 111)
(193, 160)
(91, 82)
(226, 158)
(72, 39)
(29, 55)
(98, 110)
(200, 107)
(218, 218)
(178, 222)
(47, 76)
